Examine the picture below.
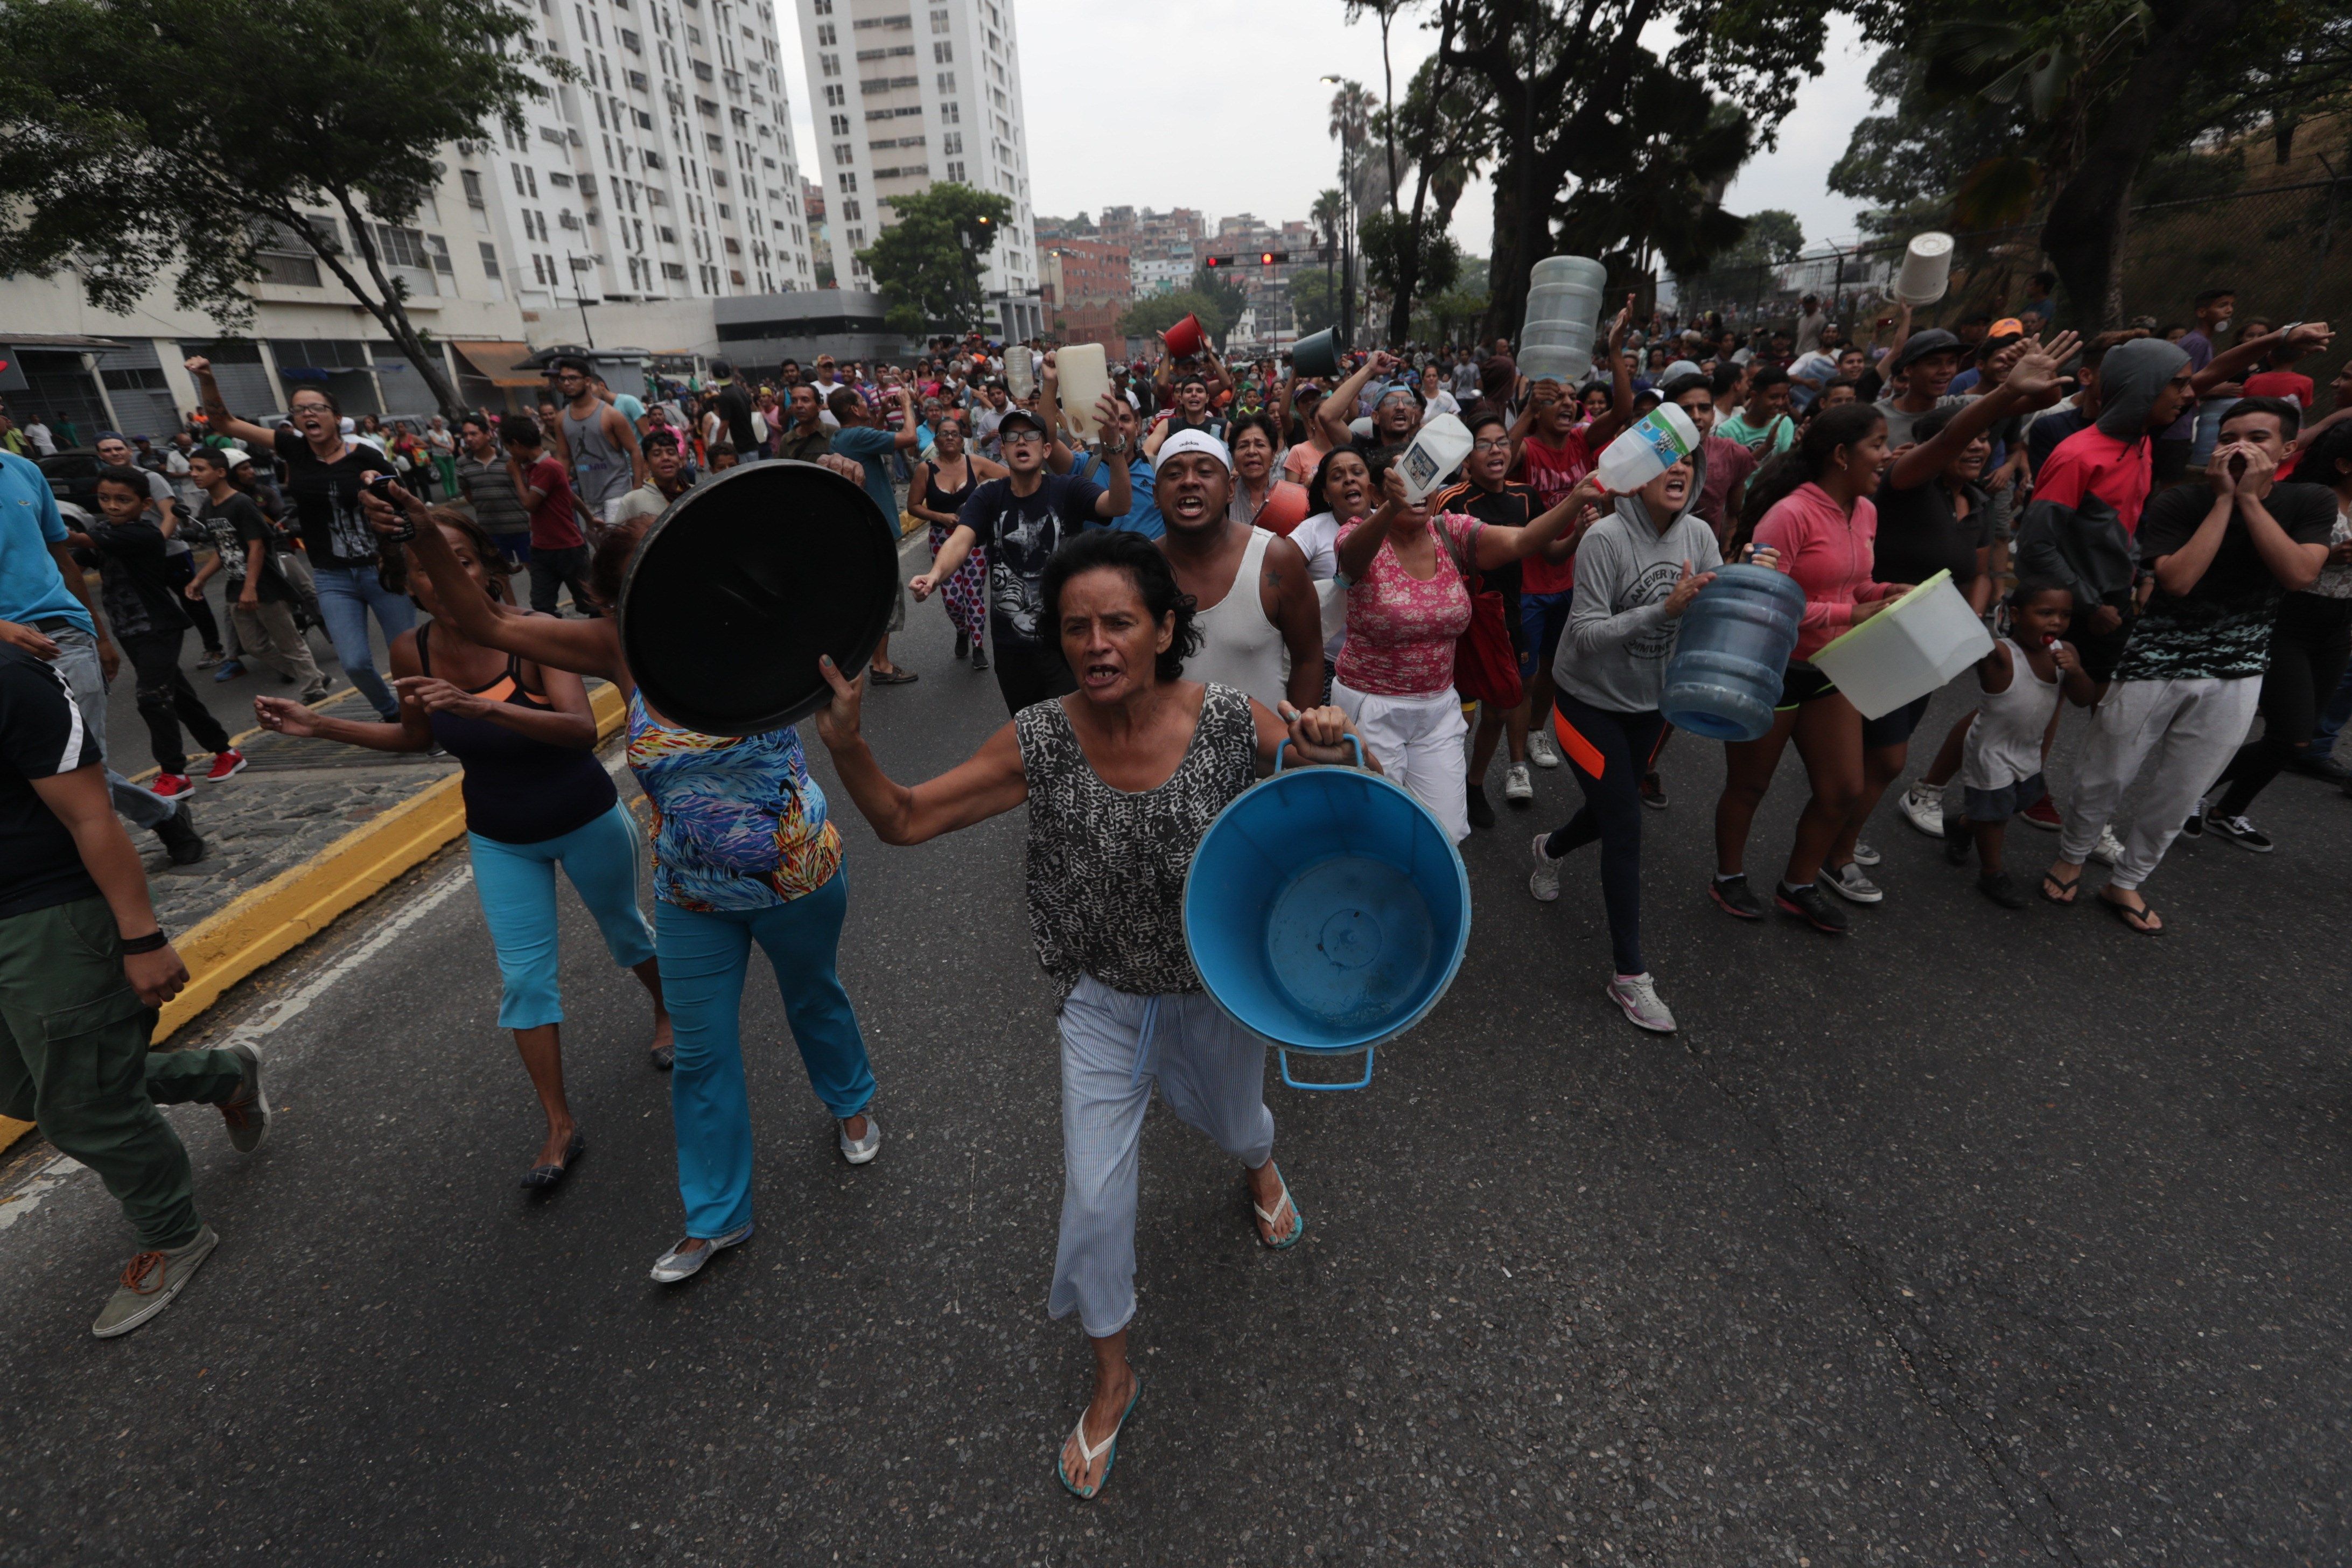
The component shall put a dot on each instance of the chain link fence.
(2286, 249)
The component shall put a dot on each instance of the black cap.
(1919, 345)
(1024, 416)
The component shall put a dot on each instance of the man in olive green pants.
(83, 968)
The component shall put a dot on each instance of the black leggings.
(2310, 645)
(1610, 753)
(1028, 673)
(166, 701)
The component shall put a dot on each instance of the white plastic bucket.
(1906, 650)
(1927, 269)
(1084, 376)
(1437, 449)
(1647, 449)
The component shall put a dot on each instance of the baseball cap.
(1193, 441)
(1919, 345)
(1017, 415)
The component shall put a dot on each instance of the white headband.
(1196, 441)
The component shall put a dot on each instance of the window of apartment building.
(693, 33)
(829, 64)
(490, 259)
(639, 81)
(676, 271)
(843, 151)
(951, 114)
(286, 257)
(631, 42)
(702, 71)
(944, 54)
(955, 173)
(839, 123)
(858, 241)
(825, 36)
(850, 209)
(846, 179)
(667, 235)
(472, 181)
(947, 81)
(836, 97)
(938, 21)
(951, 142)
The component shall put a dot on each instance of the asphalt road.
(1977, 1236)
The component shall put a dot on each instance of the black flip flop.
(2067, 888)
(2134, 918)
(665, 1057)
(892, 677)
(544, 1178)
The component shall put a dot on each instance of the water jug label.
(1420, 466)
(1663, 441)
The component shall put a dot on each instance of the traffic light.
(1216, 261)
(1273, 258)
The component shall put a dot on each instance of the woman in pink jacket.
(1820, 520)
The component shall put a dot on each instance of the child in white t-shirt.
(2000, 764)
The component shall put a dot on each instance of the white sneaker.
(1518, 787)
(1542, 752)
(1638, 994)
(861, 1151)
(2110, 849)
(1864, 854)
(1544, 881)
(1923, 808)
(678, 1264)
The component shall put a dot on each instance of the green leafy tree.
(1159, 312)
(1399, 269)
(1227, 296)
(927, 264)
(1771, 236)
(1676, 149)
(1314, 300)
(145, 139)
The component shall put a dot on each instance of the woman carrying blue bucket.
(1121, 779)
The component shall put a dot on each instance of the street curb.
(285, 911)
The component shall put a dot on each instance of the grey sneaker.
(1542, 752)
(1518, 787)
(860, 1151)
(678, 1264)
(149, 1283)
(1638, 994)
(1544, 881)
(247, 1113)
(1848, 883)
(1864, 854)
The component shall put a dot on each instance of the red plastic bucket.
(1186, 339)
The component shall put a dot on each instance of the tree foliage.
(1314, 300)
(1229, 296)
(1773, 237)
(926, 265)
(1158, 312)
(1394, 267)
(145, 139)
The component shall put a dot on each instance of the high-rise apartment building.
(665, 170)
(908, 92)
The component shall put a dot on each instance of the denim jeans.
(2333, 713)
(77, 662)
(346, 594)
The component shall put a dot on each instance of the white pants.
(1212, 1072)
(2183, 734)
(1419, 740)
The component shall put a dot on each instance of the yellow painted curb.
(292, 907)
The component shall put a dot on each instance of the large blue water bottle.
(1734, 643)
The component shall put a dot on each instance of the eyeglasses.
(1492, 443)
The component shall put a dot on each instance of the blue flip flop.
(1089, 1450)
(1295, 1231)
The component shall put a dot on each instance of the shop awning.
(502, 364)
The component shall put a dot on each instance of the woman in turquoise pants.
(742, 853)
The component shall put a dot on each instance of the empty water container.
(1566, 366)
(1577, 269)
(1563, 302)
(1729, 652)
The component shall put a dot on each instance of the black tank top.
(518, 790)
(939, 498)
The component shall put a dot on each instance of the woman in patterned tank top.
(743, 854)
(1121, 780)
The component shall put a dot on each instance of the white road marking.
(267, 1020)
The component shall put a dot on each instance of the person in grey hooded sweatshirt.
(1637, 570)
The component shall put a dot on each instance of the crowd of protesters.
(1215, 559)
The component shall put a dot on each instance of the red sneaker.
(226, 764)
(2042, 814)
(169, 785)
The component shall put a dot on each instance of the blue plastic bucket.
(1327, 910)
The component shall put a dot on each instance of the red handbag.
(1485, 666)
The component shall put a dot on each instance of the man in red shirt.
(1553, 456)
(2143, 386)
(559, 554)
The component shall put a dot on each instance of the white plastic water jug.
(1084, 376)
(1020, 376)
(1437, 449)
(1651, 446)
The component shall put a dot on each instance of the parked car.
(72, 474)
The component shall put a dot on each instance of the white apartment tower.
(905, 92)
(666, 171)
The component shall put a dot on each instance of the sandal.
(2052, 888)
(2143, 920)
(891, 676)
(1087, 1451)
(543, 1178)
(1296, 1230)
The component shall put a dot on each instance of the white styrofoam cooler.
(1907, 649)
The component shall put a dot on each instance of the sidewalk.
(308, 831)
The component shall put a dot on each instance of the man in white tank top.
(1261, 630)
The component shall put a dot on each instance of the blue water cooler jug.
(1734, 643)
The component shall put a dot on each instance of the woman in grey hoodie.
(1636, 571)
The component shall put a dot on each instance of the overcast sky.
(1100, 81)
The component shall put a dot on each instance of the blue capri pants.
(516, 883)
(705, 954)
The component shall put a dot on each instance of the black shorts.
(1800, 684)
(1893, 729)
(2001, 804)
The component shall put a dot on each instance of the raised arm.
(1357, 551)
(2232, 364)
(216, 414)
(988, 784)
(1621, 383)
(2032, 384)
(1500, 546)
(1327, 412)
(909, 434)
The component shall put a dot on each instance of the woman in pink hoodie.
(1819, 519)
